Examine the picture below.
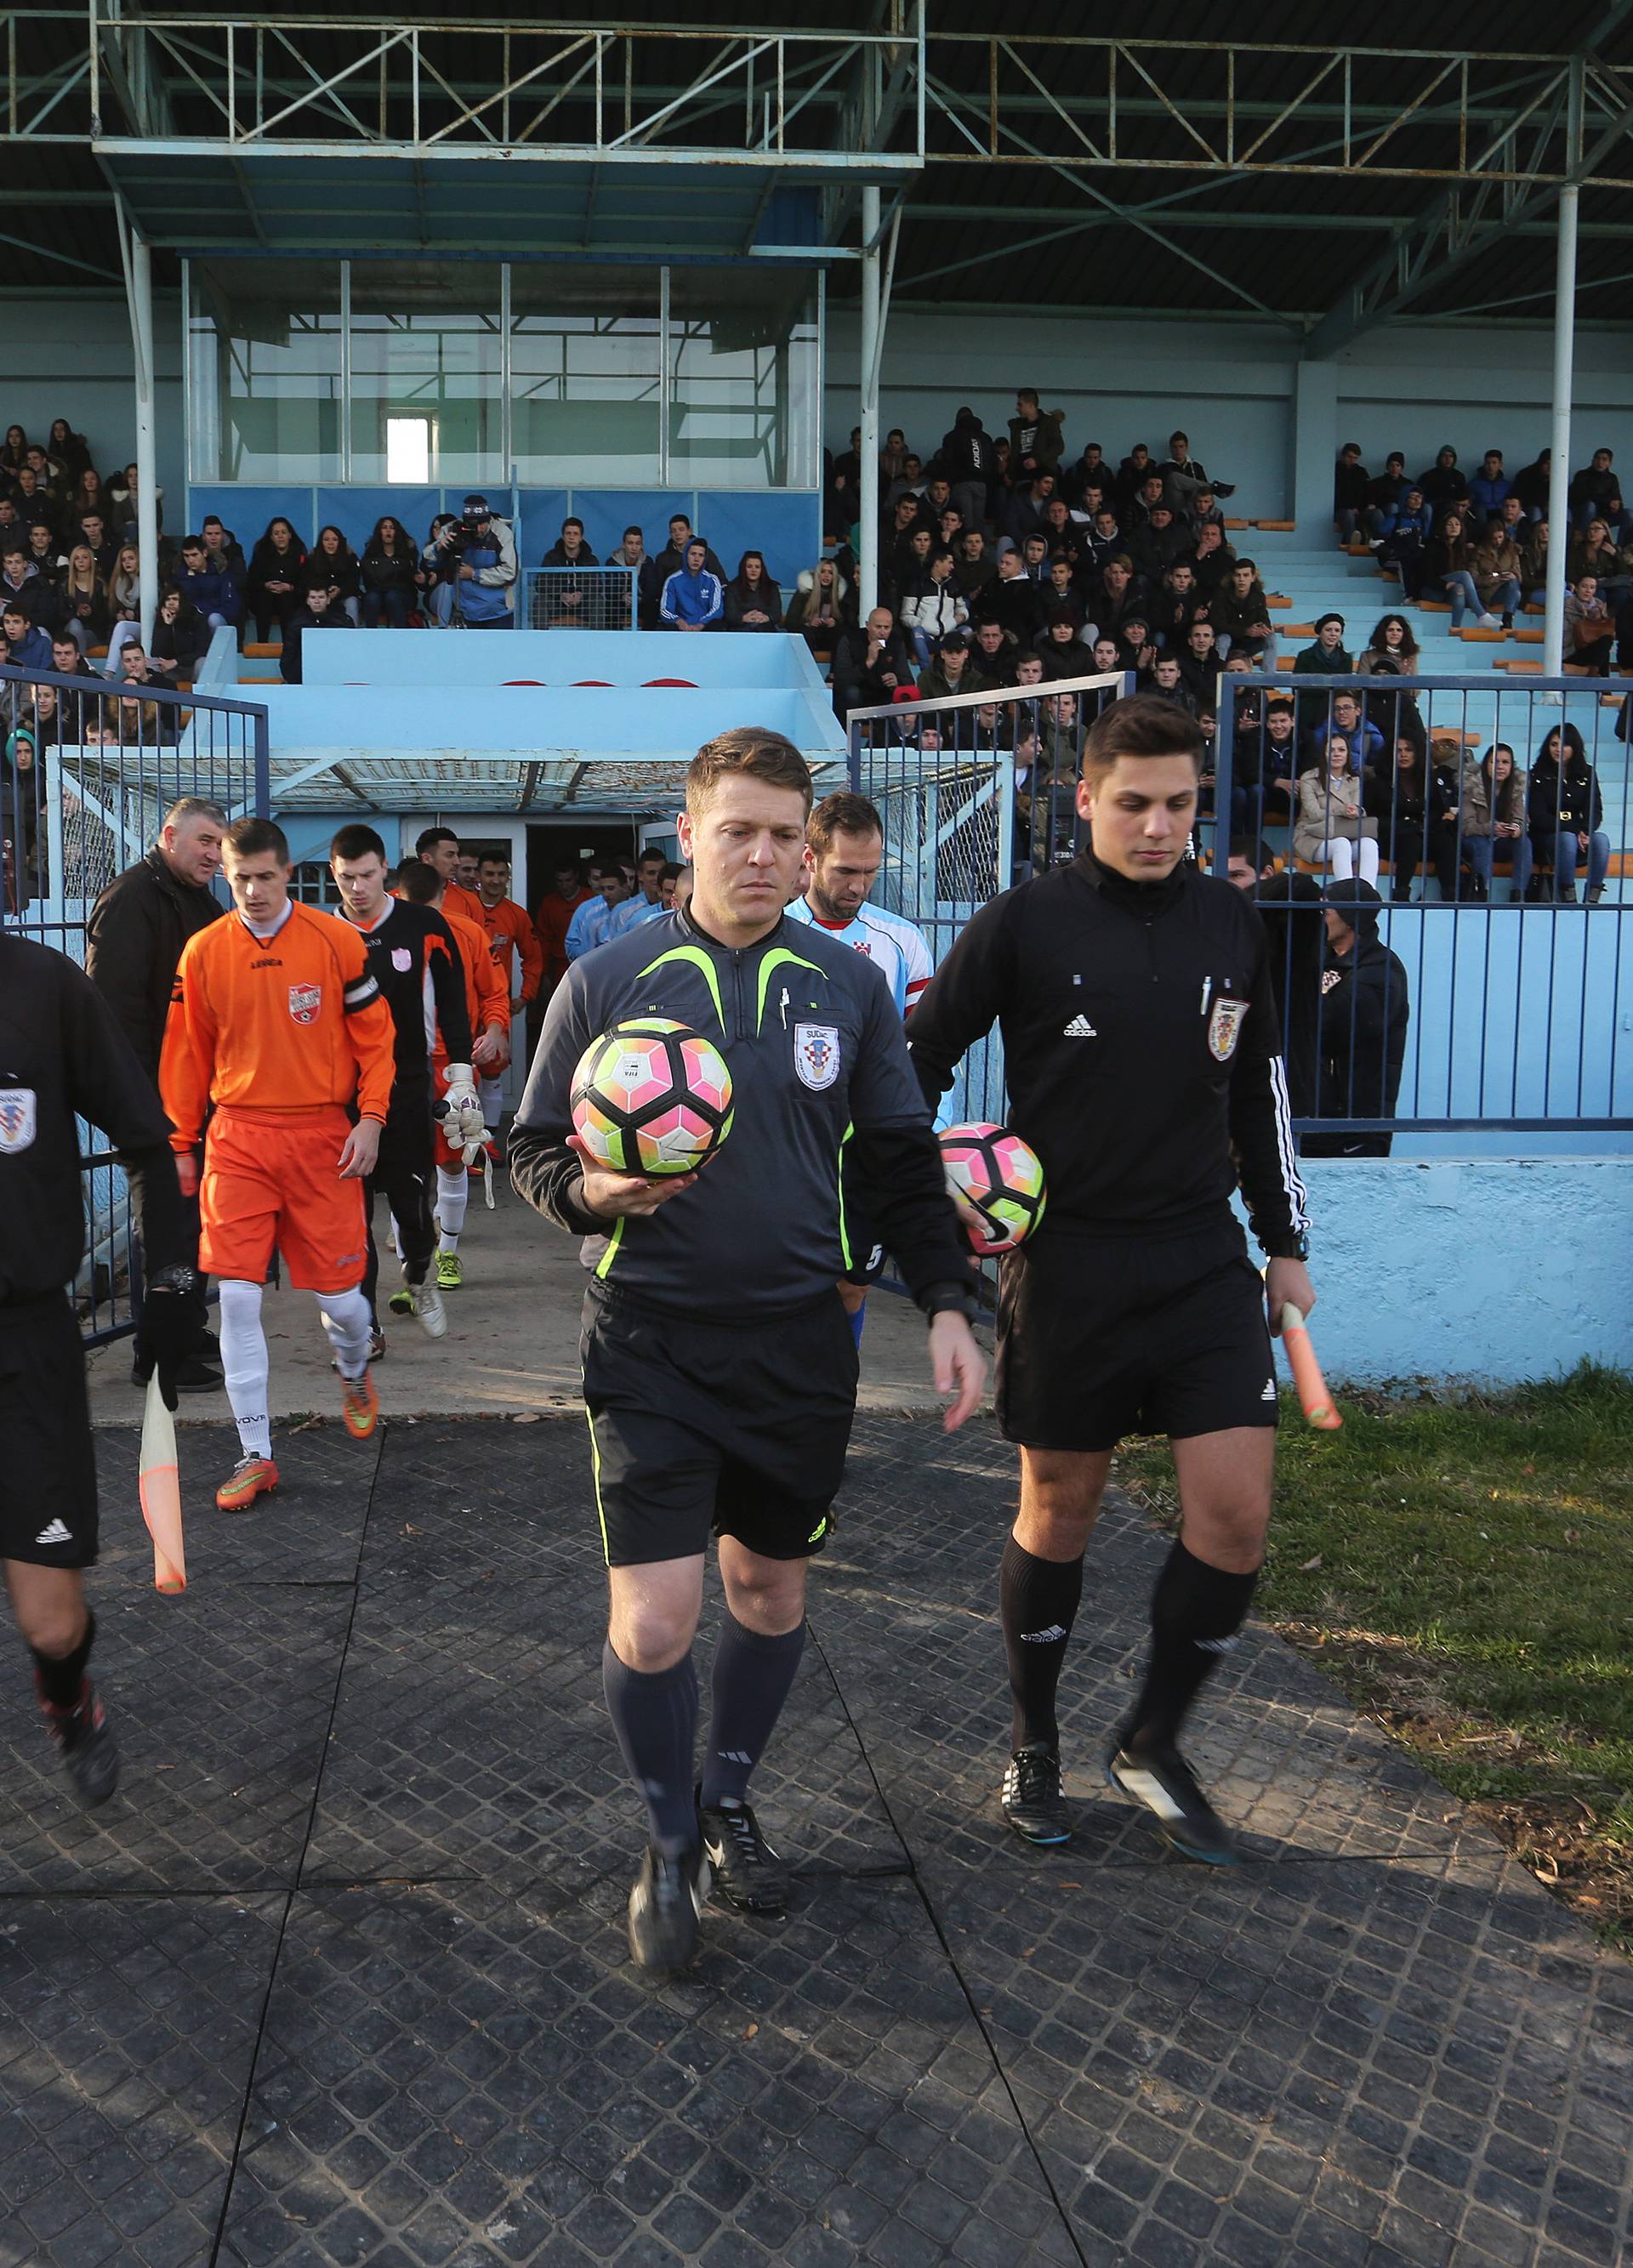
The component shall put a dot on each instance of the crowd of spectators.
(1479, 541)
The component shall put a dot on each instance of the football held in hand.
(652, 1097)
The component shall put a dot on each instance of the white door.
(486, 827)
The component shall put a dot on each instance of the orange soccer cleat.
(250, 1477)
(361, 1407)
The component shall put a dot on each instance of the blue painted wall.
(1485, 1270)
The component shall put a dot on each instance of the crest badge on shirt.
(816, 1054)
(305, 1000)
(401, 958)
(1224, 1028)
(19, 1120)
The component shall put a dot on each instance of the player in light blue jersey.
(844, 851)
(647, 902)
(591, 922)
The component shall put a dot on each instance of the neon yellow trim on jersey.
(844, 1235)
(606, 1547)
(699, 958)
(613, 1241)
(778, 957)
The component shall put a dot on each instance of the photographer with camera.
(475, 555)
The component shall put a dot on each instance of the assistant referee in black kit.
(1144, 1066)
(62, 1056)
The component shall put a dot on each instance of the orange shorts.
(269, 1179)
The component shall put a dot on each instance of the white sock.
(245, 1360)
(345, 1316)
(453, 1197)
(491, 1093)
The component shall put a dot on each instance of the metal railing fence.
(87, 771)
(580, 598)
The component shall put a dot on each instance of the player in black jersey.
(415, 961)
(1144, 1066)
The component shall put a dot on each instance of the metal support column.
(1564, 344)
(138, 266)
(869, 560)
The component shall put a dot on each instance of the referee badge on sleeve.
(1224, 1028)
(18, 1119)
(816, 1054)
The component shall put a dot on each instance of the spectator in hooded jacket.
(970, 463)
(694, 598)
(1443, 485)
(1595, 493)
(1240, 613)
(1365, 1012)
(753, 601)
(932, 605)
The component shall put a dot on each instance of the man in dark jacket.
(870, 664)
(970, 464)
(134, 941)
(1365, 1009)
(1036, 442)
(316, 612)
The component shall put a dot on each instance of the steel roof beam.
(1450, 232)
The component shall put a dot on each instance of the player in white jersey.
(844, 851)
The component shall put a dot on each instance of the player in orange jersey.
(275, 1020)
(517, 955)
(438, 848)
(489, 1004)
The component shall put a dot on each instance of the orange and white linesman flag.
(160, 1484)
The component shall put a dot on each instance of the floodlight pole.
(1564, 342)
(137, 261)
(869, 562)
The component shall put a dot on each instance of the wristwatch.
(1293, 1245)
(177, 1277)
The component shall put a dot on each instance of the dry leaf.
(526, 1417)
(750, 2031)
(1309, 1566)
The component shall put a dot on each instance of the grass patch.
(1464, 1570)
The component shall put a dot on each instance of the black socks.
(752, 1677)
(58, 1677)
(1196, 1611)
(654, 1714)
(1037, 1605)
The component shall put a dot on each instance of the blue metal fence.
(90, 766)
(1488, 991)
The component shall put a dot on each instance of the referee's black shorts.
(47, 1465)
(700, 1427)
(1100, 1337)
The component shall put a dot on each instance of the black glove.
(164, 1335)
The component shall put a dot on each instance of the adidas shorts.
(700, 1428)
(48, 1464)
(1101, 1337)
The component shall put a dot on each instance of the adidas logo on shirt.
(1079, 1028)
(54, 1532)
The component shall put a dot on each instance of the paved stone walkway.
(339, 1977)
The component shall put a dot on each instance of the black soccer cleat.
(86, 1745)
(1034, 1802)
(747, 1872)
(1161, 1779)
(664, 1907)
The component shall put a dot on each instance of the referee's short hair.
(749, 751)
(842, 814)
(1144, 726)
(252, 838)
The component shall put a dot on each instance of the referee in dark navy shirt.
(1143, 1063)
(63, 1057)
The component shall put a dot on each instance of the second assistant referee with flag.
(1143, 1062)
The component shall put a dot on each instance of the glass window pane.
(744, 353)
(264, 362)
(425, 339)
(585, 375)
